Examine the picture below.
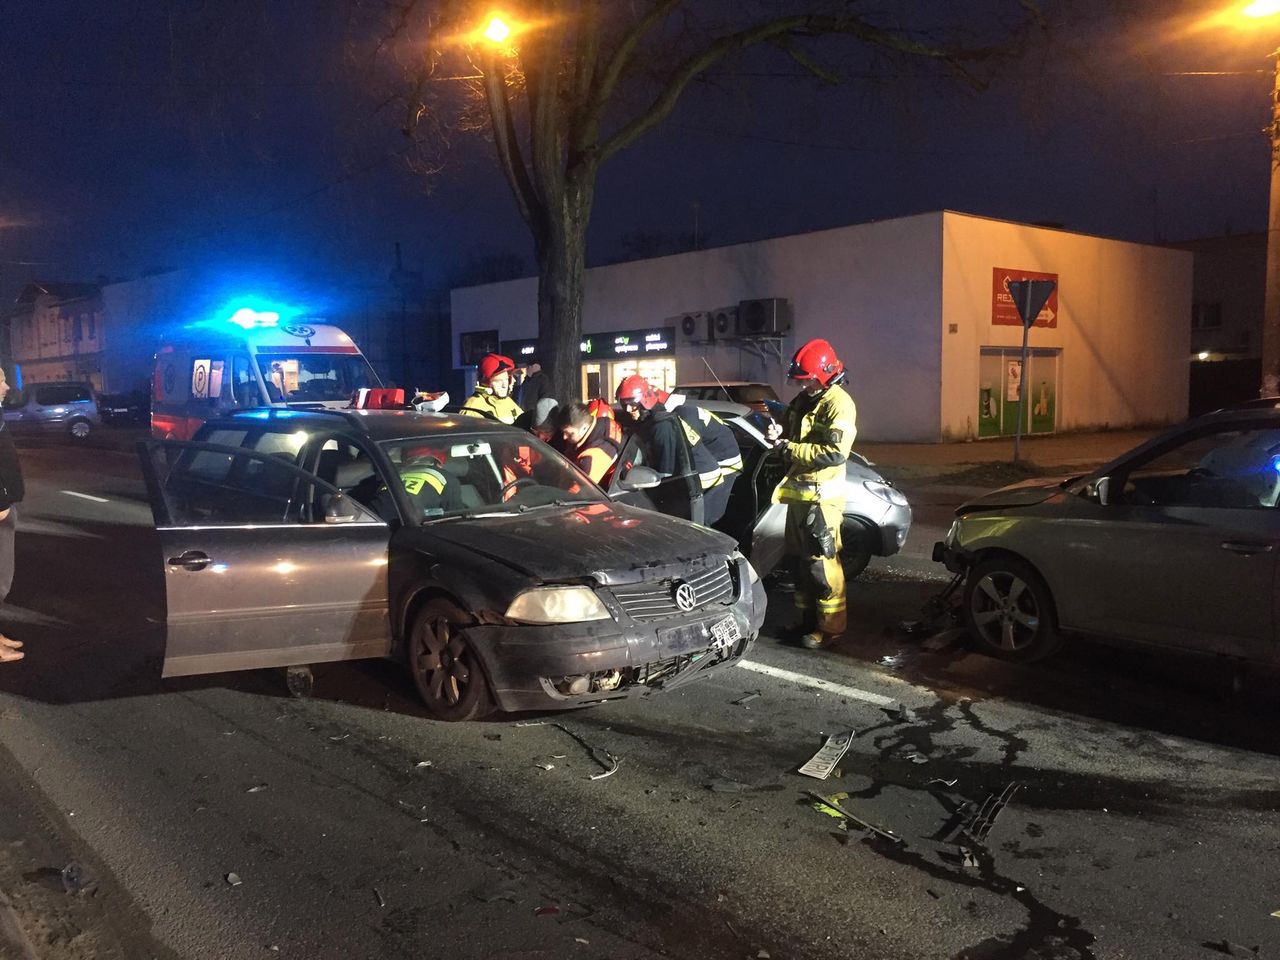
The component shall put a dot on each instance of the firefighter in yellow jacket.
(492, 397)
(819, 428)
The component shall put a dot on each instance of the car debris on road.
(820, 765)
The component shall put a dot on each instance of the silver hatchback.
(60, 407)
(1175, 544)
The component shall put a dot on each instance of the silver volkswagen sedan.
(1174, 544)
(478, 556)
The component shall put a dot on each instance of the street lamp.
(1256, 11)
(497, 30)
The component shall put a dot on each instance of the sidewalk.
(987, 463)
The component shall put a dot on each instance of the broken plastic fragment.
(421, 764)
(746, 698)
(945, 783)
(823, 807)
(545, 766)
(233, 879)
(77, 879)
(257, 788)
(550, 910)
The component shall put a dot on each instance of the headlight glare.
(885, 492)
(573, 604)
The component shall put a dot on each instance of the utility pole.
(1271, 308)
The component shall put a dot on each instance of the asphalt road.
(1146, 822)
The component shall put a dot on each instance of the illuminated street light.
(1261, 8)
(499, 31)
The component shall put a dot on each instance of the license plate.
(725, 633)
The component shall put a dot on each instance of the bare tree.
(578, 81)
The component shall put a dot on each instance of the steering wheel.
(514, 485)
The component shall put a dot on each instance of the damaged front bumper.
(569, 665)
(952, 557)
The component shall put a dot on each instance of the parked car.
(290, 539)
(877, 516)
(717, 395)
(126, 409)
(53, 408)
(1175, 544)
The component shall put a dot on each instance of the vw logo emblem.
(685, 598)
(299, 330)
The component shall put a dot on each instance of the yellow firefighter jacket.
(484, 403)
(821, 431)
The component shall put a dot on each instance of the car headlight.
(752, 576)
(885, 492)
(557, 605)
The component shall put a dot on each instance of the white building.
(915, 307)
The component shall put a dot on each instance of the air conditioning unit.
(764, 318)
(723, 322)
(691, 327)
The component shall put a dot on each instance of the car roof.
(375, 424)
(720, 383)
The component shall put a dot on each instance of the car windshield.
(314, 376)
(467, 474)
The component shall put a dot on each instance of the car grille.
(656, 600)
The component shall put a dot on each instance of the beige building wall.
(1122, 322)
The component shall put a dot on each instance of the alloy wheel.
(1004, 609)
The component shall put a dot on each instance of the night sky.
(155, 134)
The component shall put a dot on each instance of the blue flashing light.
(250, 319)
(1275, 463)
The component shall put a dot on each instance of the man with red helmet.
(819, 427)
(492, 397)
(661, 428)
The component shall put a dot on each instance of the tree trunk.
(561, 253)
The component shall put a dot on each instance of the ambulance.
(248, 359)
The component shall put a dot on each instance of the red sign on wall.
(1003, 311)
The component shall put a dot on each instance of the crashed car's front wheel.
(445, 668)
(1009, 610)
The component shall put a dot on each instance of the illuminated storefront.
(609, 358)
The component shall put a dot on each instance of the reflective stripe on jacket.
(821, 431)
(708, 433)
(484, 403)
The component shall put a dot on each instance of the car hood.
(1024, 494)
(567, 543)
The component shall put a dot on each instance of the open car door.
(265, 564)
(678, 495)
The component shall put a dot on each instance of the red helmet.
(492, 364)
(816, 360)
(416, 453)
(599, 407)
(637, 390)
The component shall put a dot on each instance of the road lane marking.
(853, 693)
(86, 496)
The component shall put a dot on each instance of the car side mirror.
(639, 477)
(340, 509)
(1099, 490)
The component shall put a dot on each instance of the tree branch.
(508, 146)
(621, 56)
(807, 62)
(586, 51)
(778, 31)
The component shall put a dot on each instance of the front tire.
(855, 548)
(1009, 610)
(444, 665)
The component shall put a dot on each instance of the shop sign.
(616, 345)
(1004, 312)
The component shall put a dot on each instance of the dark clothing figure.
(12, 491)
(536, 386)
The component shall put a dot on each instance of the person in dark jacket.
(11, 492)
(536, 386)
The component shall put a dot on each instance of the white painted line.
(85, 496)
(853, 693)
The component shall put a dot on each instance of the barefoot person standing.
(10, 494)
